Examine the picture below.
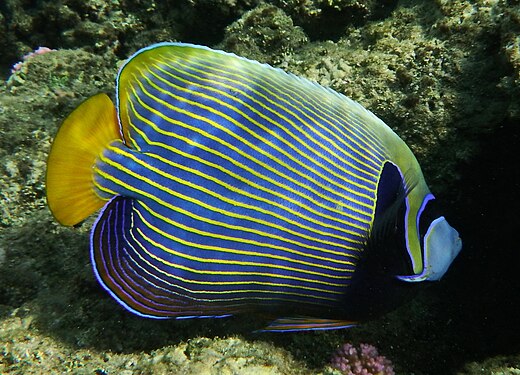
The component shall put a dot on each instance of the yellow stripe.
(209, 272)
(243, 240)
(245, 155)
(345, 114)
(221, 224)
(212, 299)
(241, 262)
(244, 167)
(250, 66)
(213, 87)
(246, 142)
(232, 201)
(241, 79)
(262, 199)
(197, 202)
(267, 275)
(109, 192)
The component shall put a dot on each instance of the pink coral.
(39, 51)
(363, 361)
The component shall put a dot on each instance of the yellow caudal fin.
(80, 140)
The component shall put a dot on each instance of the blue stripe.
(327, 105)
(239, 190)
(233, 137)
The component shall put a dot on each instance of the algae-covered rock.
(328, 19)
(28, 351)
(117, 26)
(34, 101)
(416, 70)
(96, 25)
(510, 49)
(443, 74)
(265, 34)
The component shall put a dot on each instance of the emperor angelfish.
(227, 186)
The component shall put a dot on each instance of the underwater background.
(445, 75)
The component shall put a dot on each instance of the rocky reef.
(445, 75)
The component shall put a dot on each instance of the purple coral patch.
(364, 360)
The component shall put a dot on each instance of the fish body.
(228, 186)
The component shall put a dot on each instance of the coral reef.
(265, 34)
(34, 353)
(328, 19)
(36, 97)
(361, 361)
(116, 26)
(414, 70)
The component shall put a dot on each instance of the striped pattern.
(238, 187)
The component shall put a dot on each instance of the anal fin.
(304, 323)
